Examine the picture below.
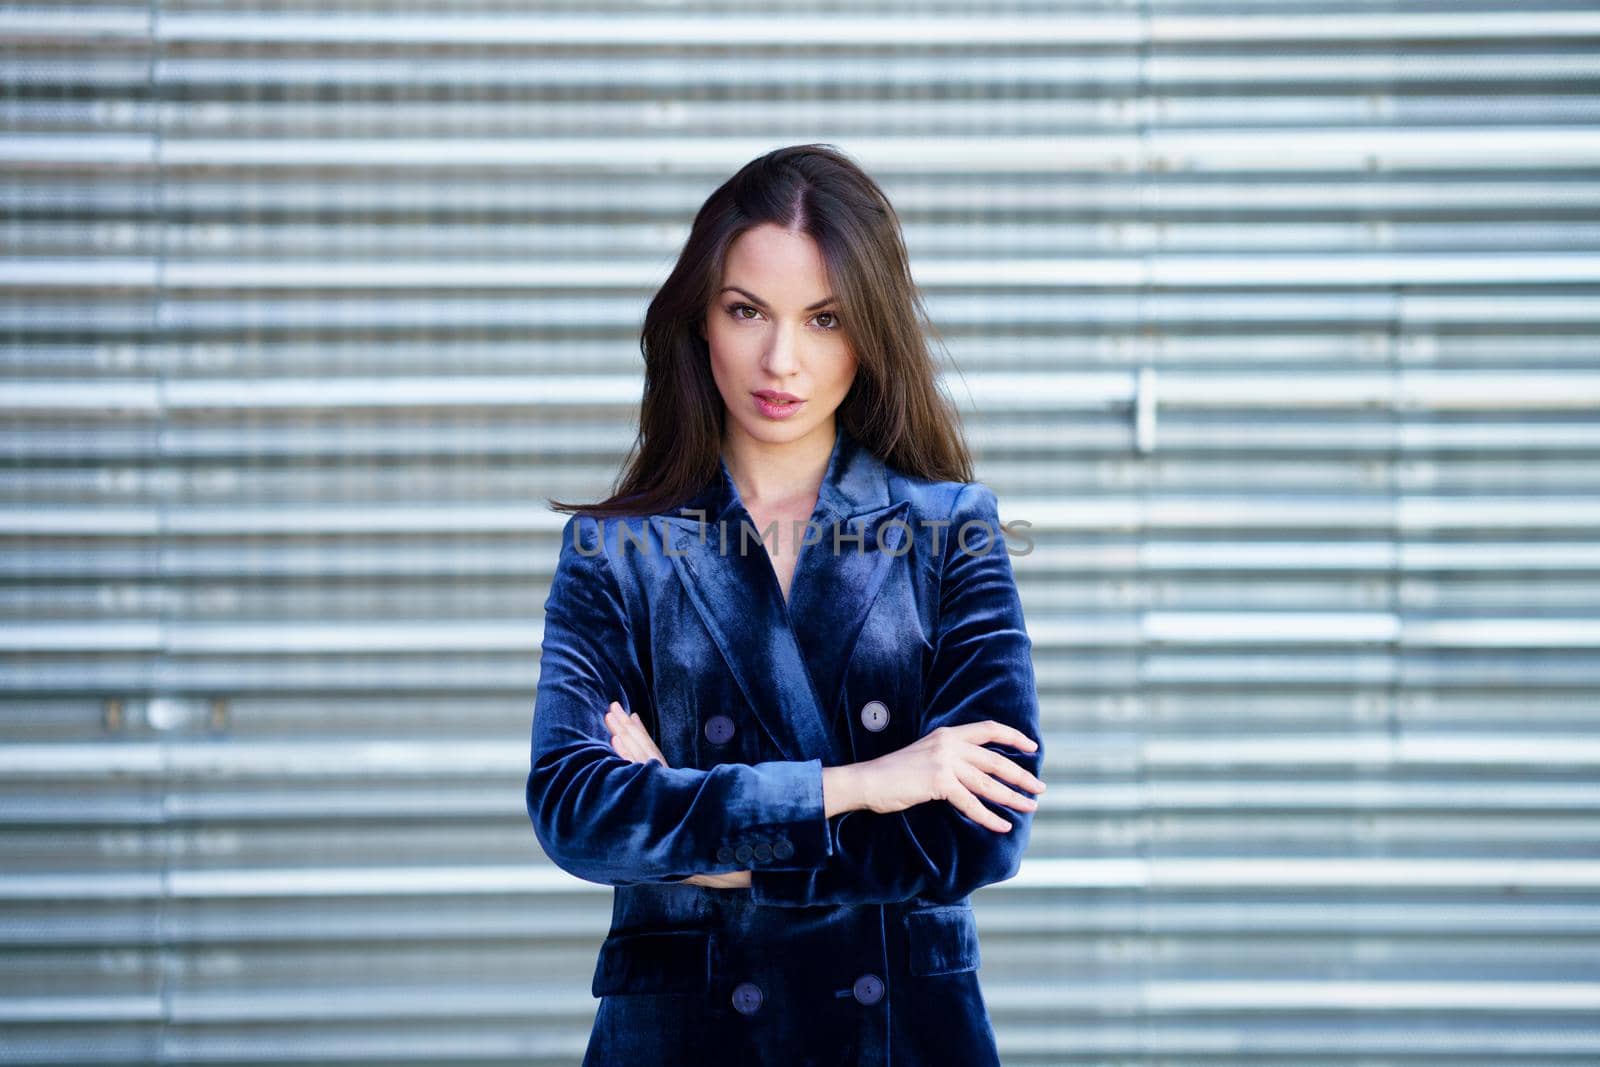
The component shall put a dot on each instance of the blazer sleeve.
(607, 819)
(982, 669)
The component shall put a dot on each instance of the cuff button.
(743, 853)
(724, 854)
(781, 849)
(763, 851)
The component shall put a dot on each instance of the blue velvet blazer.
(855, 943)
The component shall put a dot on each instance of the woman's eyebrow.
(760, 303)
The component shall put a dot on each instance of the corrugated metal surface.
(1277, 320)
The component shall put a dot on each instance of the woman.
(775, 659)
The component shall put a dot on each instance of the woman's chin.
(773, 432)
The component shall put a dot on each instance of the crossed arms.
(922, 821)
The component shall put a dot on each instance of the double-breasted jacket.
(855, 942)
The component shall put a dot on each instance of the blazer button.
(782, 849)
(874, 715)
(763, 851)
(743, 853)
(725, 854)
(869, 989)
(719, 729)
(746, 998)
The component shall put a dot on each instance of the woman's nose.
(780, 359)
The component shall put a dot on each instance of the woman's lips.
(773, 410)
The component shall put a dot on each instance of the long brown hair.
(894, 406)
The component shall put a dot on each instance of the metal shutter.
(1276, 320)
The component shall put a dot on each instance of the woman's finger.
(984, 785)
(614, 721)
(1006, 769)
(636, 731)
(646, 742)
(973, 809)
(643, 743)
(623, 739)
(990, 730)
(617, 722)
(624, 747)
(614, 718)
(630, 736)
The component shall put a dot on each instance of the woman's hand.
(731, 880)
(950, 763)
(633, 743)
(629, 737)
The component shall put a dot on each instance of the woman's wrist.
(842, 789)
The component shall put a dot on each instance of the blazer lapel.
(789, 660)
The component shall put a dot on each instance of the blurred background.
(1277, 320)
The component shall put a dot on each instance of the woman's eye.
(737, 311)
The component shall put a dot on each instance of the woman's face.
(770, 327)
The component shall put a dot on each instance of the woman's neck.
(769, 474)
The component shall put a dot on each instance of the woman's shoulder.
(936, 498)
(592, 533)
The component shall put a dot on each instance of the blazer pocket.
(664, 961)
(942, 940)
